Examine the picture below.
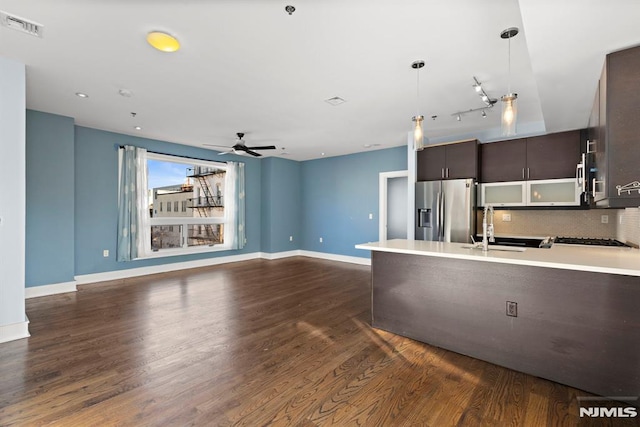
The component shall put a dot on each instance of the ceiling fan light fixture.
(163, 42)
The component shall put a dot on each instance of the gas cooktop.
(590, 241)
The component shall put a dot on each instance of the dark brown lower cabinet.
(573, 327)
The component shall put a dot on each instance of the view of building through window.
(186, 204)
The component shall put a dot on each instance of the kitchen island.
(577, 309)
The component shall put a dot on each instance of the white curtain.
(234, 231)
(134, 232)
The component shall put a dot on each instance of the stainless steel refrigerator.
(446, 210)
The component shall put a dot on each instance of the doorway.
(394, 202)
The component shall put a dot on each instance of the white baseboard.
(279, 255)
(336, 257)
(163, 268)
(14, 331)
(143, 271)
(45, 290)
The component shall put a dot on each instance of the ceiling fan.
(240, 148)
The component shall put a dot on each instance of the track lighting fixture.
(488, 101)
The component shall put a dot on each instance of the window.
(195, 216)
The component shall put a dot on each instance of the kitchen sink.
(520, 242)
(494, 247)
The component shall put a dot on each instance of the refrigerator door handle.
(438, 218)
(441, 214)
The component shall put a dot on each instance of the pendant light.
(509, 106)
(418, 132)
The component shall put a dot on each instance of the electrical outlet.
(370, 216)
(291, 238)
(512, 309)
(105, 253)
(321, 240)
(604, 219)
(506, 217)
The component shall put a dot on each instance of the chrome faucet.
(487, 228)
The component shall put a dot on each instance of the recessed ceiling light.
(335, 101)
(81, 95)
(322, 154)
(370, 145)
(126, 93)
(162, 41)
(137, 128)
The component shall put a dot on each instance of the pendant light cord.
(418, 92)
(509, 56)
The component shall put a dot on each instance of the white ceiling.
(248, 66)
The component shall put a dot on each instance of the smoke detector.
(23, 25)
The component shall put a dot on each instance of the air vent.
(20, 24)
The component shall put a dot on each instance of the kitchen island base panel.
(573, 327)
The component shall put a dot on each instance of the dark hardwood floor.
(255, 343)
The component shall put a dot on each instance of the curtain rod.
(178, 155)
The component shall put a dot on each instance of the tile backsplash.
(628, 229)
(568, 223)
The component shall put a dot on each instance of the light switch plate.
(506, 217)
(604, 219)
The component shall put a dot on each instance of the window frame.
(185, 249)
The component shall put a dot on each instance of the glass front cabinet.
(549, 192)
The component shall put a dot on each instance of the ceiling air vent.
(20, 24)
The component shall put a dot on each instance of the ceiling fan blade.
(264, 147)
(223, 153)
(253, 153)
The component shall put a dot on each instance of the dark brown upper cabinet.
(617, 143)
(449, 161)
(503, 161)
(552, 156)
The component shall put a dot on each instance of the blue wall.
(49, 199)
(281, 205)
(96, 170)
(339, 193)
(72, 178)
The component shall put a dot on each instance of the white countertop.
(569, 257)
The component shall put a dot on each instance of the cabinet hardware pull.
(593, 188)
(522, 173)
(442, 173)
(591, 146)
(447, 173)
(528, 175)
